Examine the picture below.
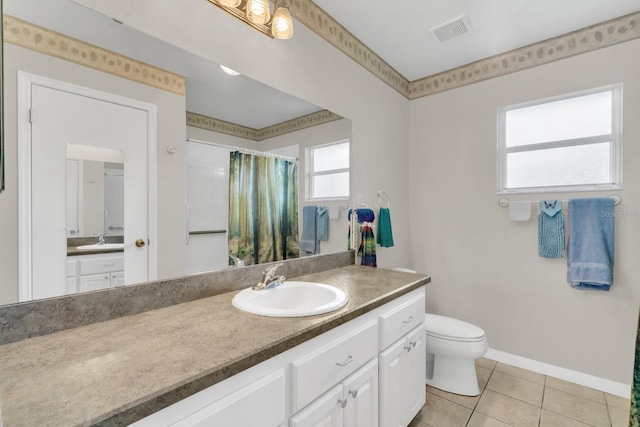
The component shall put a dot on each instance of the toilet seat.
(452, 329)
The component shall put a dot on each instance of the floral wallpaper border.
(39, 39)
(221, 126)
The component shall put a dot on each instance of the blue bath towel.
(591, 243)
(551, 229)
(322, 223)
(309, 238)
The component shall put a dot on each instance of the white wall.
(171, 112)
(308, 68)
(485, 268)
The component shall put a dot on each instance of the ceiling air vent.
(451, 29)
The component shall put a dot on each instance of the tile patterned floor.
(516, 397)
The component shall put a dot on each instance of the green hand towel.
(385, 235)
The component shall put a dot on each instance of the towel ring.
(381, 195)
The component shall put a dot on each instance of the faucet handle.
(271, 270)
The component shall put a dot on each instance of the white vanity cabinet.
(95, 271)
(403, 363)
(337, 379)
(352, 403)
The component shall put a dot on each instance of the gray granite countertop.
(118, 371)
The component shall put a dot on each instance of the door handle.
(140, 243)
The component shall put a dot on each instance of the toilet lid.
(453, 329)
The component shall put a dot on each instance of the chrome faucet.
(236, 261)
(269, 278)
(100, 238)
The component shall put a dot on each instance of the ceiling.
(399, 33)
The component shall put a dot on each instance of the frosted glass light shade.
(282, 26)
(258, 11)
(229, 3)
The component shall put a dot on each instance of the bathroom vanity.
(204, 362)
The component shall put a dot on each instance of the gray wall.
(486, 269)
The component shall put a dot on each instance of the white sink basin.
(291, 299)
(103, 247)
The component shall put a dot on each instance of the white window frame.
(615, 137)
(311, 173)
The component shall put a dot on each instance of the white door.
(361, 390)
(59, 117)
(208, 207)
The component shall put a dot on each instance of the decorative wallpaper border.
(42, 40)
(228, 128)
(585, 40)
(320, 22)
(601, 35)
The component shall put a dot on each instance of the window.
(570, 143)
(328, 171)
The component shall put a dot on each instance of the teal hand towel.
(385, 234)
(322, 223)
(551, 229)
(591, 243)
(309, 238)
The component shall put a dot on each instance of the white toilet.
(452, 347)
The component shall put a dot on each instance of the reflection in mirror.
(95, 191)
(223, 110)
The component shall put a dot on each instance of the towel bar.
(504, 202)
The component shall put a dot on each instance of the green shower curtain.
(263, 208)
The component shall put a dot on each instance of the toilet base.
(454, 375)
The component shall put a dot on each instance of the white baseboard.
(597, 383)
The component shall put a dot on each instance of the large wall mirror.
(91, 181)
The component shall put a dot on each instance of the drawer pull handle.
(409, 320)
(342, 402)
(353, 393)
(109, 265)
(349, 360)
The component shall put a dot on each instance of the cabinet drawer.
(101, 264)
(397, 322)
(326, 366)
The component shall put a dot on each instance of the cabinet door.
(392, 395)
(259, 404)
(117, 279)
(72, 285)
(415, 374)
(326, 411)
(93, 282)
(361, 392)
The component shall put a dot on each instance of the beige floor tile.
(439, 412)
(486, 363)
(417, 423)
(508, 410)
(515, 387)
(576, 389)
(551, 419)
(617, 401)
(619, 417)
(483, 375)
(534, 377)
(479, 420)
(576, 407)
(466, 401)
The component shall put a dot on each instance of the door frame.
(25, 257)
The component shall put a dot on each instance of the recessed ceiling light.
(229, 71)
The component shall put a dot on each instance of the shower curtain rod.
(245, 150)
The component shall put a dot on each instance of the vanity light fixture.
(257, 13)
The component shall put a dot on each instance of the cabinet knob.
(408, 347)
(140, 243)
(353, 393)
(342, 402)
